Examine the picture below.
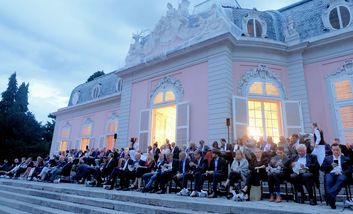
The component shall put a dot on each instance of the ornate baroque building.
(271, 72)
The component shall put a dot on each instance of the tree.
(21, 98)
(96, 75)
(8, 96)
(20, 133)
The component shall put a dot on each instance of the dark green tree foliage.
(95, 75)
(20, 133)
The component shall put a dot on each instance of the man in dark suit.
(105, 170)
(155, 151)
(169, 169)
(305, 171)
(175, 151)
(217, 172)
(183, 174)
(122, 172)
(337, 170)
(199, 166)
(225, 147)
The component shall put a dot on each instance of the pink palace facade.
(271, 72)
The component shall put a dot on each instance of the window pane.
(343, 90)
(250, 27)
(348, 136)
(271, 90)
(110, 142)
(84, 143)
(335, 23)
(169, 96)
(256, 88)
(258, 28)
(158, 98)
(63, 146)
(346, 113)
(345, 16)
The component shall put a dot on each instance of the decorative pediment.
(168, 83)
(176, 30)
(260, 73)
(345, 69)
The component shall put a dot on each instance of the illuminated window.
(112, 128)
(254, 28)
(64, 140)
(339, 17)
(162, 97)
(256, 88)
(169, 96)
(158, 98)
(264, 88)
(343, 105)
(86, 134)
(343, 90)
(63, 146)
(264, 119)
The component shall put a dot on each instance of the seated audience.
(183, 174)
(337, 169)
(198, 166)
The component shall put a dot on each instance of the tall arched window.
(254, 28)
(264, 110)
(111, 131)
(86, 134)
(65, 137)
(341, 84)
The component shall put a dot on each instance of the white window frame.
(254, 15)
(96, 91)
(336, 105)
(112, 119)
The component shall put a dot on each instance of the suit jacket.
(109, 167)
(130, 165)
(222, 167)
(156, 153)
(200, 168)
(176, 152)
(187, 166)
(345, 163)
(311, 163)
(273, 146)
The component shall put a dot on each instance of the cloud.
(57, 45)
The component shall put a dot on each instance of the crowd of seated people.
(231, 169)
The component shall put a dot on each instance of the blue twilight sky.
(56, 45)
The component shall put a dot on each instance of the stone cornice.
(88, 104)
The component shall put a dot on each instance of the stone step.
(171, 201)
(10, 210)
(13, 206)
(68, 207)
(98, 202)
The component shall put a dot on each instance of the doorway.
(163, 124)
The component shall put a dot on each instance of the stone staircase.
(17, 196)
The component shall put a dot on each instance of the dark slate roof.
(108, 87)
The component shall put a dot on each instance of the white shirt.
(317, 135)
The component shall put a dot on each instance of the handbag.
(255, 193)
